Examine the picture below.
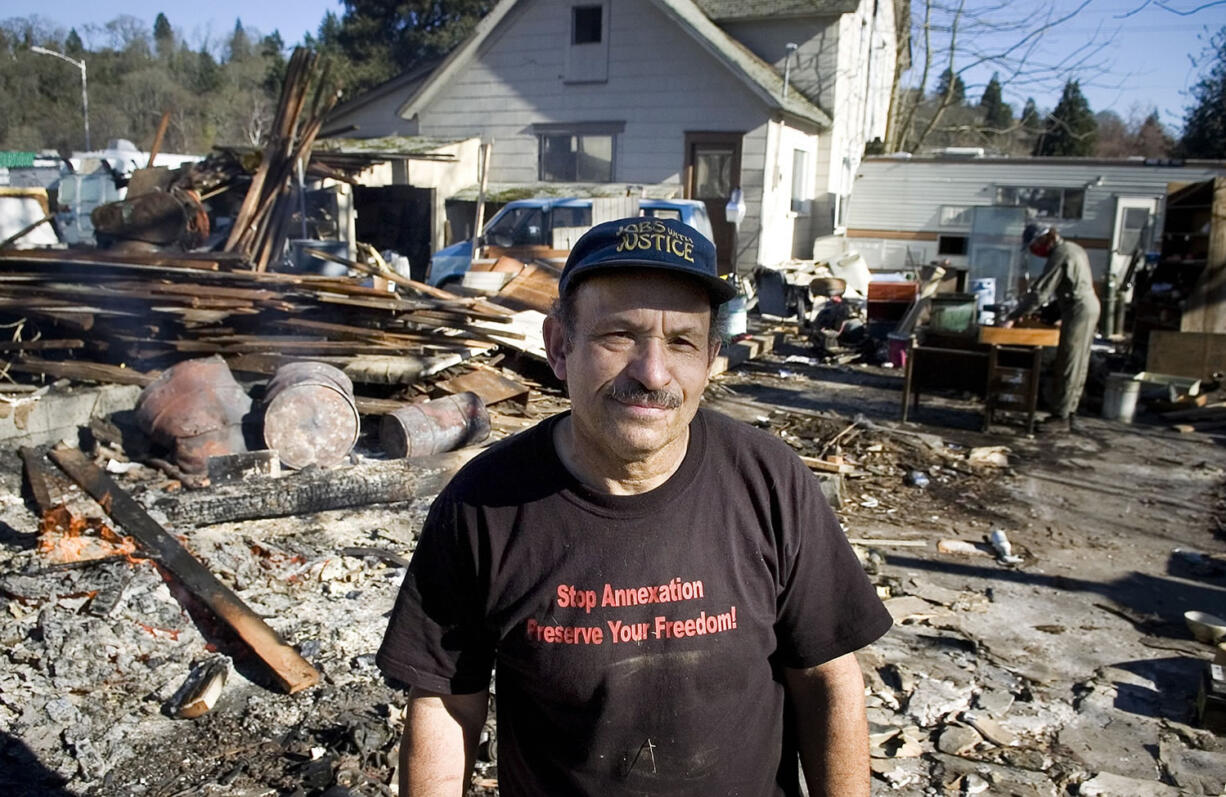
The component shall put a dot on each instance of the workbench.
(1000, 365)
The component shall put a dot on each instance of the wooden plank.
(524, 335)
(491, 386)
(1194, 354)
(43, 344)
(825, 466)
(292, 671)
(733, 354)
(93, 372)
(1020, 336)
(534, 288)
(36, 477)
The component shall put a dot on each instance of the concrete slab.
(58, 414)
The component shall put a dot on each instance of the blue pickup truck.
(524, 229)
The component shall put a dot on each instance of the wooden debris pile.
(117, 317)
(261, 227)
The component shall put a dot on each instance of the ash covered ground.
(1067, 672)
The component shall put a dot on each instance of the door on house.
(712, 170)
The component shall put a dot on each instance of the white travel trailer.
(971, 210)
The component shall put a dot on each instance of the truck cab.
(524, 229)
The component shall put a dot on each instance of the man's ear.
(555, 346)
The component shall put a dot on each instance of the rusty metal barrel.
(310, 416)
(196, 409)
(435, 426)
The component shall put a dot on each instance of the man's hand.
(1008, 324)
(831, 727)
(440, 743)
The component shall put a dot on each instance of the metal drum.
(432, 427)
(310, 416)
(195, 408)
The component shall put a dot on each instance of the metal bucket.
(310, 416)
(195, 408)
(432, 427)
(1120, 397)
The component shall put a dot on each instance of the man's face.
(637, 363)
(1041, 246)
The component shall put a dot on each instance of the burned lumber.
(291, 671)
(36, 478)
(315, 490)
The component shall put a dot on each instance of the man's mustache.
(637, 394)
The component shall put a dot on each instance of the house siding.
(862, 93)
(517, 80)
(815, 64)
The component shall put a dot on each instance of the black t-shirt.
(638, 639)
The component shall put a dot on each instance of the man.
(649, 578)
(1066, 278)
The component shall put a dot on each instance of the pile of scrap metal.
(827, 300)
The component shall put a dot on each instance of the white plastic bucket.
(852, 268)
(1120, 397)
(737, 320)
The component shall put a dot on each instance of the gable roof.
(728, 10)
(760, 77)
(406, 81)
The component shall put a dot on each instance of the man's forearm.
(831, 727)
(440, 743)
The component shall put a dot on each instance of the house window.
(951, 244)
(800, 182)
(1047, 203)
(586, 25)
(576, 158)
(955, 216)
(587, 52)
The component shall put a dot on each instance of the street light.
(84, 92)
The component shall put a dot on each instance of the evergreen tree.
(272, 49)
(239, 47)
(380, 38)
(1204, 124)
(959, 87)
(73, 45)
(1031, 122)
(163, 36)
(997, 114)
(1070, 128)
(1152, 140)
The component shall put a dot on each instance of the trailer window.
(1047, 203)
(951, 244)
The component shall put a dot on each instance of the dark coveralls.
(1066, 278)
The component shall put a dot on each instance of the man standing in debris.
(650, 579)
(1066, 278)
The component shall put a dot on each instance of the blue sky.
(1147, 64)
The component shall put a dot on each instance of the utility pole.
(84, 86)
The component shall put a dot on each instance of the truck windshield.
(517, 227)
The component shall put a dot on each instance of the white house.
(689, 98)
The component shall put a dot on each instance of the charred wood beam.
(292, 671)
(314, 490)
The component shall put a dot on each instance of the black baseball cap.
(1032, 232)
(646, 242)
